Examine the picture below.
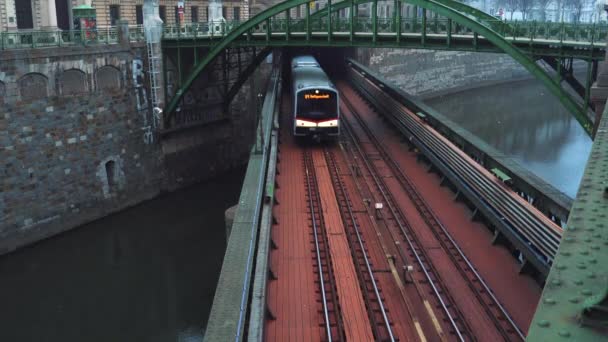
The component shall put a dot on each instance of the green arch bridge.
(442, 25)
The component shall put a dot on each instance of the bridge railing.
(515, 31)
(31, 39)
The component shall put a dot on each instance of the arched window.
(33, 86)
(108, 79)
(72, 82)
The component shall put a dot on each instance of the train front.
(317, 112)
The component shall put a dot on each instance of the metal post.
(307, 22)
(449, 27)
(475, 42)
(288, 18)
(394, 16)
(329, 20)
(195, 55)
(415, 19)
(423, 30)
(179, 65)
(374, 20)
(588, 82)
(398, 11)
(352, 20)
(268, 29)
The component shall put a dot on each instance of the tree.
(542, 7)
(576, 6)
(525, 6)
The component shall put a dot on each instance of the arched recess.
(33, 86)
(108, 79)
(474, 20)
(72, 82)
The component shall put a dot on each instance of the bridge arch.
(477, 21)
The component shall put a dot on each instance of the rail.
(348, 215)
(553, 203)
(535, 236)
(227, 319)
(438, 289)
(319, 233)
(591, 34)
(482, 291)
(31, 39)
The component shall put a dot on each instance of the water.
(523, 120)
(145, 274)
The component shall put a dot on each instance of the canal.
(523, 120)
(147, 273)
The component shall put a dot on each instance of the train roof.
(306, 60)
(307, 77)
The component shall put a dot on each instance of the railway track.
(529, 225)
(413, 248)
(332, 319)
(486, 299)
(374, 302)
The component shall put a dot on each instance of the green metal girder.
(574, 302)
(461, 14)
(244, 76)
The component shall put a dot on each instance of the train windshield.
(317, 104)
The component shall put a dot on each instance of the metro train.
(315, 100)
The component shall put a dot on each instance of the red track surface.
(294, 297)
(519, 294)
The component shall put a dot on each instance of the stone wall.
(71, 139)
(428, 73)
(78, 141)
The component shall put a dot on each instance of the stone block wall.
(72, 147)
(428, 73)
(78, 141)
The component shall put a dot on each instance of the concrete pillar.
(10, 20)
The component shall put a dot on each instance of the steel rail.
(493, 194)
(309, 175)
(433, 221)
(380, 185)
(331, 161)
(488, 188)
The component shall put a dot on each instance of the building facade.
(57, 14)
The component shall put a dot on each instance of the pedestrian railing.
(30, 39)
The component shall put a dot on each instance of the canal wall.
(78, 140)
(428, 73)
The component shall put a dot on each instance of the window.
(139, 14)
(194, 13)
(225, 12)
(236, 13)
(207, 14)
(162, 13)
(177, 21)
(114, 14)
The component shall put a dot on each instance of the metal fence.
(30, 39)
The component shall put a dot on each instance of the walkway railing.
(587, 34)
(591, 34)
(37, 39)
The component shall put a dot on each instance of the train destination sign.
(316, 96)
